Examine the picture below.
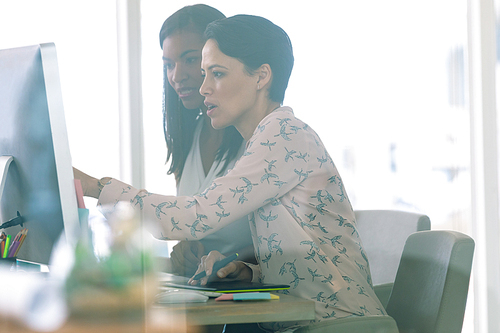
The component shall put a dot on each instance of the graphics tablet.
(229, 286)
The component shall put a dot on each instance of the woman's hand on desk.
(186, 256)
(235, 270)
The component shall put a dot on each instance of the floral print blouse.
(303, 226)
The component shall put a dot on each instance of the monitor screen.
(38, 183)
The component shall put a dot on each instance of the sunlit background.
(384, 83)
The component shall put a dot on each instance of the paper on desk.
(32, 299)
(37, 301)
(247, 297)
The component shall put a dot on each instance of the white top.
(303, 226)
(233, 237)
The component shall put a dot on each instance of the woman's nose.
(179, 74)
(205, 89)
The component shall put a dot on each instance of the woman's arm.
(91, 186)
(272, 166)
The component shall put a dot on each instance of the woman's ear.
(265, 74)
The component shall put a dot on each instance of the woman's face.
(230, 91)
(182, 60)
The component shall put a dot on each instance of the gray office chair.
(431, 286)
(429, 293)
(384, 233)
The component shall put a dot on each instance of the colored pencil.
(13, 249)
(21, 241)
(6, 248)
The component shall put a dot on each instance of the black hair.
(179, 123)
(255, 41)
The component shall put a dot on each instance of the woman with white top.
(198, 153)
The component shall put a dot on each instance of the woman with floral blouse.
(302, 223)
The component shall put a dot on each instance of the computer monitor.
(38, 183)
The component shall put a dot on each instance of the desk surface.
(179, 318)
(287, 308)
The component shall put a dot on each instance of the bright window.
(381, 82)
(84, 33)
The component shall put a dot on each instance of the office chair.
(429, 293)
(431, 286)
(384, 233)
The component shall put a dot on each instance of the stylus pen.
(218, 265)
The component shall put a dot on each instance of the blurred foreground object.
(31, 300)
(105, 284)
(112, 275)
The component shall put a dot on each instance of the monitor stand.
(4, 168)
(23, 265)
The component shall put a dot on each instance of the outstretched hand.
(89, 184)
(235, 270)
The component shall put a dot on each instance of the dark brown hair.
(179, 123)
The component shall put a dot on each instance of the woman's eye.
(191, 60)
(168, 66)
(217, 74)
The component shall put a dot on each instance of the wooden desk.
(287, 308)
(187, 318)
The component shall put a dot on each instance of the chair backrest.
(384, 233)
(432, 282)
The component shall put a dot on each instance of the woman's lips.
(186, 92)
(210, 108)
